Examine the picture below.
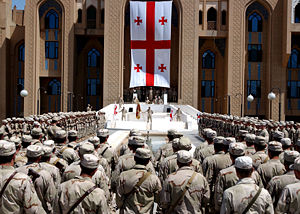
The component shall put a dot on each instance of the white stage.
(161, 121)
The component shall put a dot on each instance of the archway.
(88, 78)
(256, 61)
(211, 75)
(143, 92)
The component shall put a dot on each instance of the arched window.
(93, 58)
(224, 17)
(102, 16)
(212, 15)
(54, 87)
(294, 61)
(91, 17)
(21, 51)
(79, 20)
(51, 20)
(297, 13)
(208, 60)
(255, 23)
(200, 17)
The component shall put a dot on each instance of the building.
(70, 53)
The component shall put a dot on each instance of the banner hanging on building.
(150, 30)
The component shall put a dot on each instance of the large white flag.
(150, 43)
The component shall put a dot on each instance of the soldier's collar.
(6, 167)
(185, 168)
(138, 166)
(247, 180)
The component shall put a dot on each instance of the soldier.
(99, 178)
(220, 160)
(2, 131)
(166, 150)
(228, 177)
(60, 163)
(138, 189)
(297, 135)
(126, 162)
(88, 108)
(264, 131)
(42, 179)
(184, 191)
(148, 101)
(246, 196)
(278, 135)
(105, 149)
(53, 128)
(170, 163)
(72, 139)
(120, 102)
(286, 146)
(80, 194)
(37, 135)
(292, 132)
(18, 193)
(242, 135)
(53, 170)
(103, 162)
(160, 101)
(21, 158)
(124, 148)
(250, 139)
(62, 150)
(202, 152)
(273, 167)
(149, 115)
(289, 200)
(202, 133)
(297, 146)
(123, 111)
(259, 156)
(277, 183)
(178, 113)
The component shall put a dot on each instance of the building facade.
(71, 53)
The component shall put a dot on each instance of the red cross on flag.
(150, 27)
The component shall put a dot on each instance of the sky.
(19, 3)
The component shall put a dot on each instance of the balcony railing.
(91, 24)
(211, 25)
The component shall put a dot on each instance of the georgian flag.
(150, 43)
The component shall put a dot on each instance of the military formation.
(62, 163)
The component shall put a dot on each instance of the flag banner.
(150, 29)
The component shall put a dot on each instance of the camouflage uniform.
(194, 200)
(237, 198)
(273, 167)
(19, 196)
(277, 183)
(270, 169)
(226, 179)
(164, 151)
(99, 178)
(289, 201)
(60, 163)
(141, 200)
(259, 158)
(127, 162)
(214, 165)
(170, 165)
(69, 192)
(205, 152)
(106, 151)
(66, 153)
